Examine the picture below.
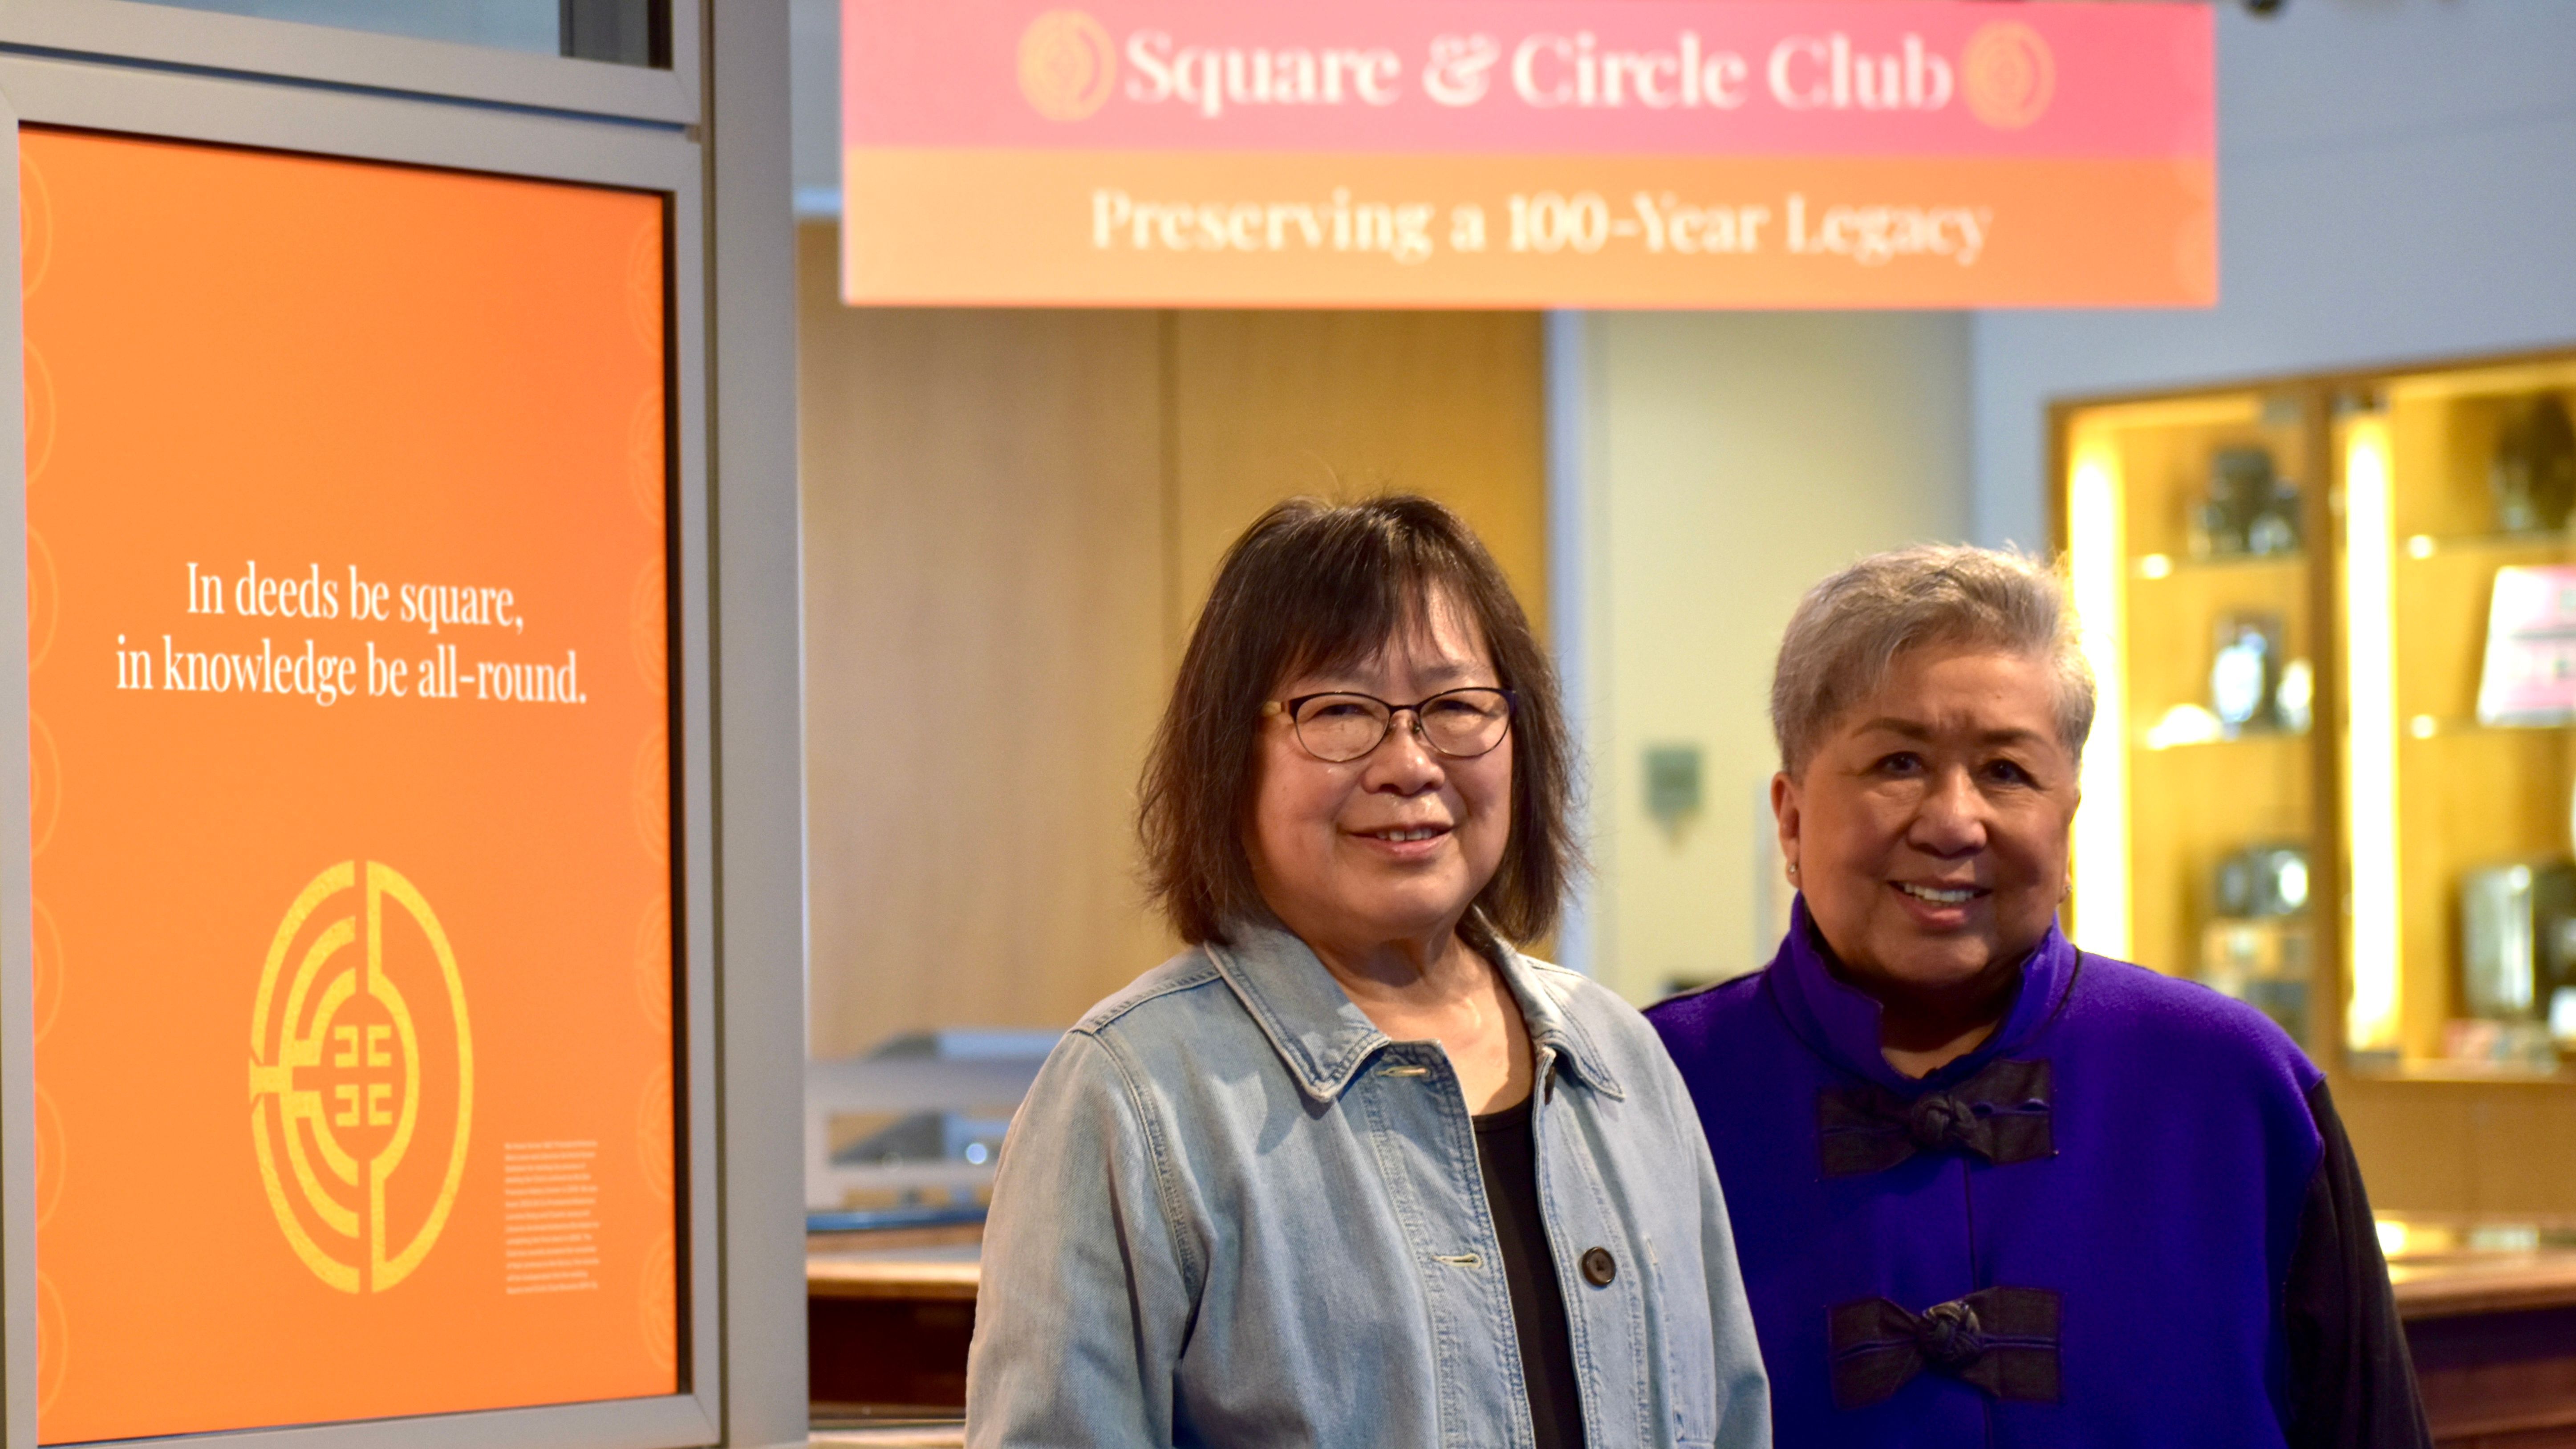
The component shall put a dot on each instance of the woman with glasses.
(1351, 1170)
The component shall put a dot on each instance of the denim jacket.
(1232, 1212)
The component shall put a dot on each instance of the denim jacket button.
(1599, 1268)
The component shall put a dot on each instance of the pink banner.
(1528, 153)
(1715, 77)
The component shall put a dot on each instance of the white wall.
(1730, 460)
(2397, 180)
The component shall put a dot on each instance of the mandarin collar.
(1840, 1023)
(1323, 1037)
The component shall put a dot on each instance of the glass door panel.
(2189, 525)
(2461, 606)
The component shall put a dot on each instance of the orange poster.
(352, 804)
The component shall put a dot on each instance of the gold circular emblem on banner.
(337, 1079)
(1066, 65)
(2007, 74)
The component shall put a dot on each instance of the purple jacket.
(2129, 1218)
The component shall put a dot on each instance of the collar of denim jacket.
(1325, 1039)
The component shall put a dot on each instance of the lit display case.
(2192, 532)
(2334, 624)
(2459, 606)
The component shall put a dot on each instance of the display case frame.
(2438, 1133)
(2109, 783)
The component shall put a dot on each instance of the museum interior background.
(1038, 496)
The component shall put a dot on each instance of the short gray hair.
(1850, 629)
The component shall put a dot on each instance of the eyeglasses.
(1340, 727)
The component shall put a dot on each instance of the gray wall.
(2397, 181)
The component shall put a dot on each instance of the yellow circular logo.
(2007, 74)
(1066, 65)
(349, 1081)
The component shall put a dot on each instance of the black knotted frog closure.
(1947, 1334)
(2000, 1340)
(2001, 1114)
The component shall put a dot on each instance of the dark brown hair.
(1317, 586)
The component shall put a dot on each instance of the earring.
(1793, 870)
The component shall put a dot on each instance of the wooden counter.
(2493, 1332)
(912, 1279)
(888, 1317)
(2514, 1283)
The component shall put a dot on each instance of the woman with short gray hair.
(1989, 1189)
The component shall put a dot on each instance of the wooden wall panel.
(1010, 518)
(983, 644)
(2464, 1146)
(1269, 405)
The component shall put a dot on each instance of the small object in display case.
(2245, 677)
(2514, 1048)
(2263, 963)
(2295, 702)
(2250, 509)
(2530, 672)
(2262, 881)
(2533, 474)
(2517, 938)
(2260, 949)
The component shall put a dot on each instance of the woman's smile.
(1936, 907)
(1406, 842)
(1941, 895)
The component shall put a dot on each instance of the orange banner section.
(353, 966)
(1027, 227)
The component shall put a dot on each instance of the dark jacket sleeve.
(2352, 1385)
